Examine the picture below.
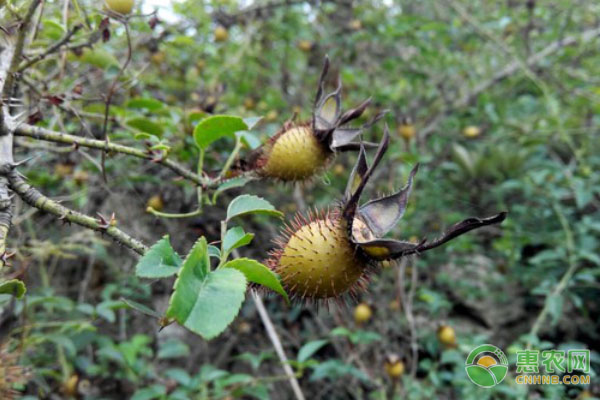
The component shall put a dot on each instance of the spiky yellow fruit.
(295, 155)
(120, 6)
(394, 367)
(362, 313)
(318, 261)
(447, 336)
(472, 131)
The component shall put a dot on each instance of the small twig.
(111, 92)
(266, 320)
(65, 39)
(34, 198)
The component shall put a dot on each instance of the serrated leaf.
(258, 273)
(160, 261)
(207, 304)
(250, 204)
(13, 287)
(236, 237)
(215, 127)
(145, 125)
(310, 348)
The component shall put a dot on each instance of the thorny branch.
(8, 71)
(59, 137)
(34, 198)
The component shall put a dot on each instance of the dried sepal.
(352, 202)
(460, 228)
(382, 214)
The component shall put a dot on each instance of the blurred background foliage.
(499, 101)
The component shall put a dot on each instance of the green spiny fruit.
(294, 155)
(298, 152)
(329, 254)
(316, 260)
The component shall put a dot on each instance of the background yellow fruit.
(305, 45)
(394, 367)
(156, 202)
(221, 34)
(471, 131)
(407, 131)
(120, 6)
(355, 24)
(447, 336)
(362, 313)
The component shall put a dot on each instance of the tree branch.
(508, 70)
(13, 52)
(15, 60)
(65, 39)
(59, 137)
(34, 198)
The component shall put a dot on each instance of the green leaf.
(230, 184)
(236, 237)
(258, 273)
(207, 304)
(14, 287)
(160, 261)
(173, 348)
(462, 157)
(98, 58)
(147, 103)
(145, 125)
(310, 348)
(213, 251)
(150, 392)
(215, 127)
(250, 204)
(555, 307)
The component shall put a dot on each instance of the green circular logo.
(486, 366)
